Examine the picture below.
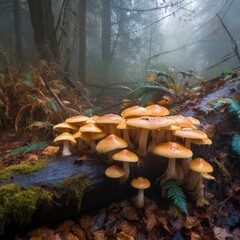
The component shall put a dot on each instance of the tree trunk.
(43, 29)
(17, 29)
(82, 40)
(106, 31)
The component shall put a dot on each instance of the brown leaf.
(195, 236)
(99, 235)
(191, 222)
(221, 233)
(129, 213)
(150, 222)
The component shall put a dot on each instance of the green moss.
(75, 187)
(26, 168)
(18, 204)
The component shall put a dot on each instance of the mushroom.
(146, 124)
(135, 111)
(114, 171)
(65, 127)
(77, 120)
(126, 157)
(110, 143)
(109, 121)
(157, 110)
(66, 138)
(198, 166)
(188, 134)
(171, 150)
(141, 184)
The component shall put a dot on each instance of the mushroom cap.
(92, 119)
(181, 120)
(140, 183)
(157, 110)
(96, 136)
(125, 156)
(190, 133)
(171, 127)
(194, 120)
(135, 111)
(172, 150)
(150, 122)
(77, 119)
(203, 141)
(200, 165)
(109, 118)
(208, 176)
(65, 136)
(64, 126)
(114, 171)
(84, 136)
(90, 127)
(109, 143)
(123, 125)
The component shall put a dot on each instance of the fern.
(233, 106)
(176, 194)
(235, 145)
(28, 148)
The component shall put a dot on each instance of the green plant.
(235, 145)
(175, 194)
(28, 148)
(147, 90)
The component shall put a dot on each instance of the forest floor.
(220, 219)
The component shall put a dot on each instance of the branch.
(149, 9)
(159, 20)
(235, 47)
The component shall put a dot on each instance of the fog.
(177, 35)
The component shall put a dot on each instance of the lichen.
(75, 187)
(18, 204)
(26, 168)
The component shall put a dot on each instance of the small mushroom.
(141, 184)
(114, 171)
(126, 157)
(66, 138)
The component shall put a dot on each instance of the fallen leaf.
(164, 222)
(191, 222)
(195, 236)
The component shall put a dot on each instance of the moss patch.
(75, 187)
(18, 204)
(26, 168)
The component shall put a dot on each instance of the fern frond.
(233, 106)
(235, 144)
(176, 194)
(28, 148)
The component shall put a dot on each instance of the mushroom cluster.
(138, 132)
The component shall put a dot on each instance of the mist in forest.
(108, 42)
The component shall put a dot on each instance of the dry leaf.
(195, 236)
(164, 222)
(51, 150)
(191, 222)
(221, 233)
(150, 222)
(99, 235)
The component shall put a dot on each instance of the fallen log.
(65, 187)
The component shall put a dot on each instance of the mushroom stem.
(66, 151)
(185, 162)
(140, 199)
(126, 137)
(169, 173)
(92, 146)
(126, 168)
(142, 143)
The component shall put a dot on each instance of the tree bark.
(106, 31)
(82, 41)
(17, 29)
(43, 29)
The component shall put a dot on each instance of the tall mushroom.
(171, 150)
(141, 184)
(146, 124)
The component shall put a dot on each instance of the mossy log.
(64, 187)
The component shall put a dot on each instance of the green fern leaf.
(233, 106)
(28, 148)
(176, 195)
(235, 144)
